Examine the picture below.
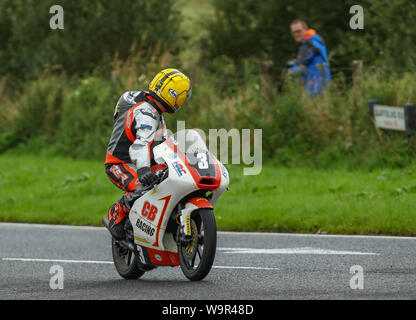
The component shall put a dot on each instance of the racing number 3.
(149, 211)
(202, 161)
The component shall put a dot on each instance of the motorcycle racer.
(138, 127)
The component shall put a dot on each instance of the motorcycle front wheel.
(197, 252)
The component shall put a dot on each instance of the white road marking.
(111, 262)
(304, 250)
(318, 235)
(12, 224)
(248, 268)
(50, 226)
(57, 260)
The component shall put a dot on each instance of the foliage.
(388, 37)
(75, 117)
(251, 28)
(67, 108)
(94, 31)
(260, 30)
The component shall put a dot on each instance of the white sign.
(391, 118)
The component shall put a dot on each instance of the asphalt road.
(247, 266)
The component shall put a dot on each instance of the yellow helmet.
(171, 87)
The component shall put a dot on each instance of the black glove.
(147, 177)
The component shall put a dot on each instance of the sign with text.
(391, 118)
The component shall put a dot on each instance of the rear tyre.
(196, 255)
(126, 262)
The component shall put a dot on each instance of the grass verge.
(40, 189)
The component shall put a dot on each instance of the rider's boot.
(114, 221)
(115, 218)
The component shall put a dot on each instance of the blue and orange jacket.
(312, 63)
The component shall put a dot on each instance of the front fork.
(184, 216)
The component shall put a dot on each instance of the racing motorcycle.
(173, 223)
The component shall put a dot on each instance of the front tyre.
(197, 253)
(126, 262)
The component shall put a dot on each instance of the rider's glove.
(147, 177)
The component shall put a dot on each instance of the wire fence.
(349, 73)
(383, 68)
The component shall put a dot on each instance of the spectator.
(312, 59)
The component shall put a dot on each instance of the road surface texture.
(265, 266)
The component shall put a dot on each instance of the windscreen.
(189, 141)
(193, 145)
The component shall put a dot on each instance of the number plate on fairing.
(203, 163)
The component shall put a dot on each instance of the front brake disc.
(191, 245)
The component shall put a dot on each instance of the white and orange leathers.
(138, 127)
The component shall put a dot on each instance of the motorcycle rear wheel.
(201, 247)
(125, 261)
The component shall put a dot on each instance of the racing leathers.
(138, 127)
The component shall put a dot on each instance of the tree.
(249, 28)
(388, 37)
(260, 30)
(94, 31)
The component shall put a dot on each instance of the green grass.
(42, 189)
(333, 201)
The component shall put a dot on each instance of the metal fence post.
(409, 119)
(371, 104)
(266, 83)
(358, 68)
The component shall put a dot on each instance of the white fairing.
(150, 213)
(225, 181)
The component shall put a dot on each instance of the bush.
(37, 112)
(74, 117)
(86, 122)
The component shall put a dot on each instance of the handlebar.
(162, 174)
